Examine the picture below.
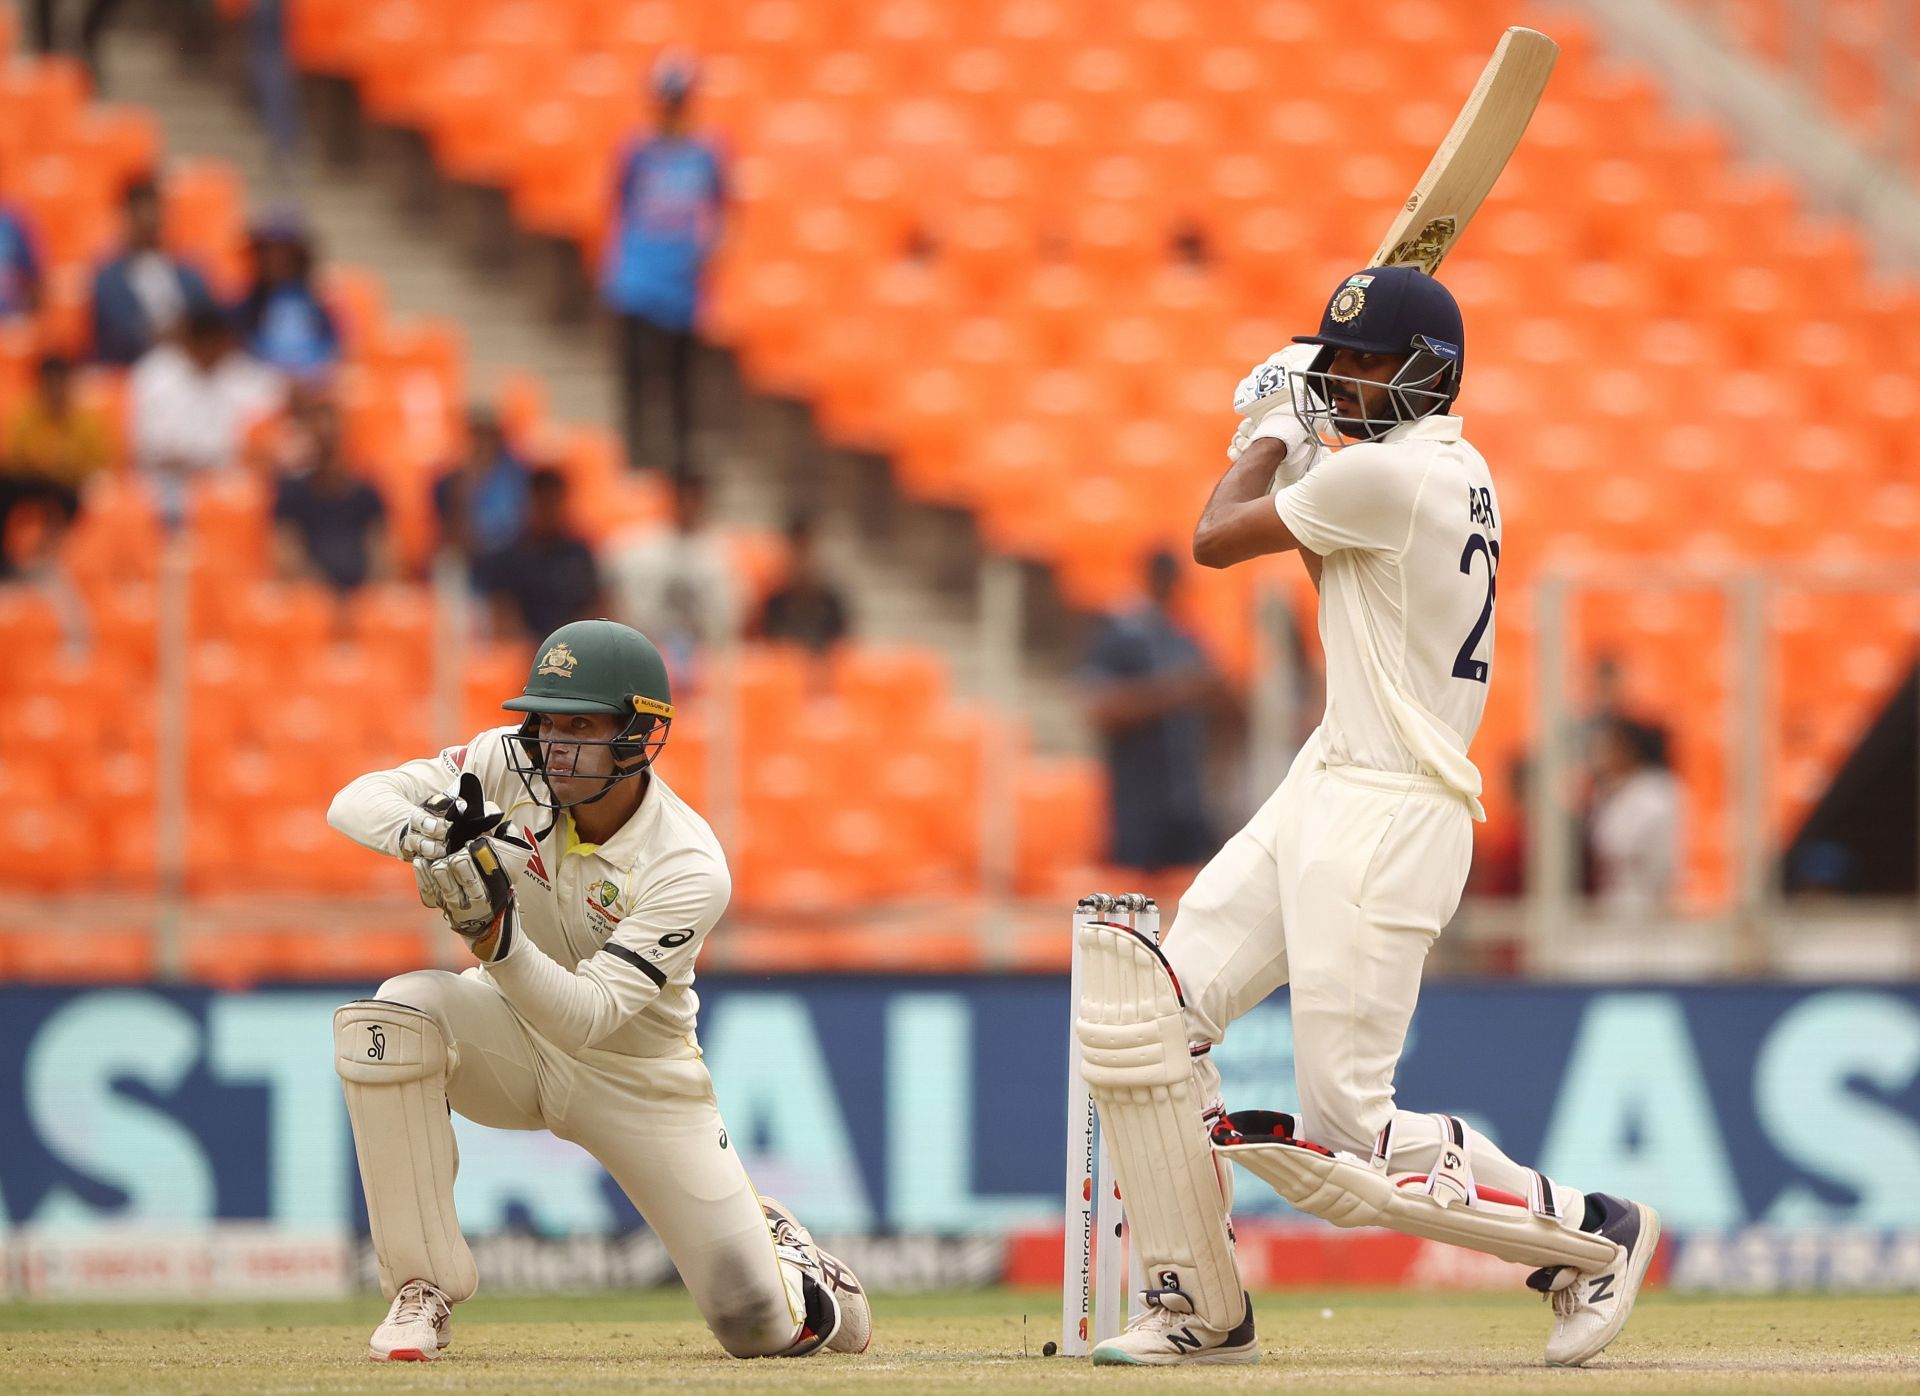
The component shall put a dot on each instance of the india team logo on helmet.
(1350, 299)
(1397, 310)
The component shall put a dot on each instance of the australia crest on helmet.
(559, 661)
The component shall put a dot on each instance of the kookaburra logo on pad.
(559, 661)
(378, 1051)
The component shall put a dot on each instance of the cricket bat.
(1470, 159)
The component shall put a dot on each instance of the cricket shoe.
(794, 1243)
(1589, 1309)
(1168, 1335)
(416, 1328)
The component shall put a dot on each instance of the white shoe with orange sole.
(416, 1329)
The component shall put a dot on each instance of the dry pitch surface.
(971, 1342)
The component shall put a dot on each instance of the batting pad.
(1133, 1050)
(393, 1065)
(1341, 1189)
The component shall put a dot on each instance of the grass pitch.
(970, 1342)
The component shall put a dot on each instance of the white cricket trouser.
(1337, 886)
(652, 1122)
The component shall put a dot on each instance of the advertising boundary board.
(1776, 1126)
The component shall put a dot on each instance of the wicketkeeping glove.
(472, 888)
(446, 823)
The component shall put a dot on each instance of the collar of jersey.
(624, 846)
(1435, 428)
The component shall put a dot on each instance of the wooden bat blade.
(1469, 160)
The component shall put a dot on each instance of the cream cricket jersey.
(608, 932)
(1410, 529)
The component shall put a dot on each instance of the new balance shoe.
(1590, 1309)
(1168, 1335)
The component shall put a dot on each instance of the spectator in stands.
(285, 443)
(806, 609)
(282, 317)
(142, 295)
(276, 91)
(330, 525)
(1607, 693)
(93, 21)
(481, 502)
(192, 406)
(53, 446)
(19, 265)
(1634, 829)
(545, 577)
(1822, 869)
(675, 586)
(668, 201)
(1149, 689)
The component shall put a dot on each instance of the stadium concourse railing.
(1742, 644)
(1829, 90)
(1860, 59)
(1748, 643)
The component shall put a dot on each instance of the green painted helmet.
(595, 666)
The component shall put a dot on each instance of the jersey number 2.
(1465, 666)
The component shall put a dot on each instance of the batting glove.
(446, 823)
(1269, 386)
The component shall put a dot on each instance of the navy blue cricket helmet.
(1384, 310)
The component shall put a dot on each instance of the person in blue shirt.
(284, 321)
(481, 501)
(547, 576)
(330, 523)
(1148, 689)
(142, 295)
(19, 265)
(669, 200)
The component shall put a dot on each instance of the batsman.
(1348, 454)
(584, 887)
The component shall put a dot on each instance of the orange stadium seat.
(123, 142)
(386, 46)
(61, 956)
(891, 689)
(358, 302)
(204, 219)
(241, 959)
(47, 846)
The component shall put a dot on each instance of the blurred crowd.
(205, 389)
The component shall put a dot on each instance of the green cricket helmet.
(594, 666)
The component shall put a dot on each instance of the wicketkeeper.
(584, 886)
